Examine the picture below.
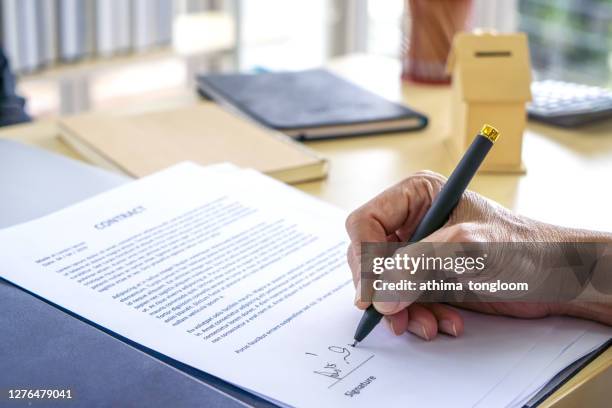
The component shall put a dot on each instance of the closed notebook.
(139, 145)
(311, 104)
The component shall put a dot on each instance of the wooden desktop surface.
(567, 180)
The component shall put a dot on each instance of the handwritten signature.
(331, 369)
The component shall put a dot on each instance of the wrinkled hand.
(393, 216)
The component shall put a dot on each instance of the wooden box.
(491, 83)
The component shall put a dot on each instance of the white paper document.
(245, 278)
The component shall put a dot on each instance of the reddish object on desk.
(425, 48)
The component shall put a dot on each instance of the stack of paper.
(244, 277)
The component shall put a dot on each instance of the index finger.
(396, 211)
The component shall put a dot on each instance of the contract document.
(245, 278)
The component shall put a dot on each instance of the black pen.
(441, 208)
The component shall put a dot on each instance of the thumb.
(399, 286)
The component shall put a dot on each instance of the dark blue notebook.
(311, 104)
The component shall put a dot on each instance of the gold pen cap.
(489, 132)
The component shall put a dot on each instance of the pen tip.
(355, 343)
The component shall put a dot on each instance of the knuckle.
(351, 220)
(473, 207)
(423, 186)
(462, 232)
(431, 176)
(426, 181)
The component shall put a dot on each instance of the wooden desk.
(567, 180)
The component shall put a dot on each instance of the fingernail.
(448, 327)
(393, 326)
(418, 328)
(389, 325)
(386, 307)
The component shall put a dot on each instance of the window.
(385, 20)
(569, 40)
(283, 34)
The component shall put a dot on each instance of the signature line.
(350, 372)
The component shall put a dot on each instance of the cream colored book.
(139, 145)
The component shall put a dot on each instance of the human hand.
(393, 216)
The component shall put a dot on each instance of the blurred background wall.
(77, 55)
